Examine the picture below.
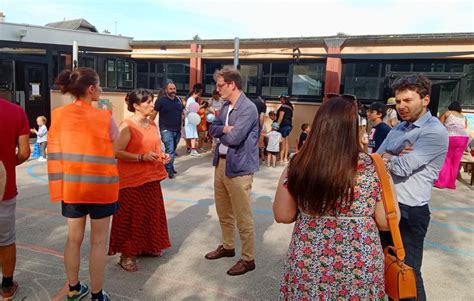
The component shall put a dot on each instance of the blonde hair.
(43, 118)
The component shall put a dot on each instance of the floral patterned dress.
(338, 258)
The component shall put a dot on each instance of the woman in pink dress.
(456, 123)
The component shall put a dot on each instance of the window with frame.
(111, 74)
(249, 74)
(88, 62)
(208, 79)
(364, 79)
(124, 74)
(468, 89)
(179, 74)
(275, 78)
(308, 79)
(119, 73)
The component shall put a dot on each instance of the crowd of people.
(329, 187)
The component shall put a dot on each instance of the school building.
(305, 67)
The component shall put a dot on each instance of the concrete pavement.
(182, 273)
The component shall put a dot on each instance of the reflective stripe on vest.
(83, 178)
(82, 166)
(82, 158)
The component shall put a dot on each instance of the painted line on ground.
(187, 186)
(32, 174)
(453, 227)
(454, 209)
(448, 249)
(40, 249)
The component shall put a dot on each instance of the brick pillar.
(195, 69)
(333, 65)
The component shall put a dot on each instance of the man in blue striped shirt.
(415, 149)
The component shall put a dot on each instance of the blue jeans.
(170, 140)
(413, 227)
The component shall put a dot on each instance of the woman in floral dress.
(332, 191)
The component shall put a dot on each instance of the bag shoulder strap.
(389, 205)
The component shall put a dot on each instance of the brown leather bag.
(400, 279)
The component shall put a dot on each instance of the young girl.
(273, 147)
(42, 136)
(191, 129)
(83, 176)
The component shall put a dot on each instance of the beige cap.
(391, 101)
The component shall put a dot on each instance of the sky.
(226, 19)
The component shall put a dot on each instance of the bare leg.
(269, 157)
(8, 260)
(282, 150)
(72, 250)
(99, 233)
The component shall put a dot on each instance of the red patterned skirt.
(140, 226)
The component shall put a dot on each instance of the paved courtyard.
(182, 273)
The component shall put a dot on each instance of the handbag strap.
(389, 205)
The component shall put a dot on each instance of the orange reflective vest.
(81, 163)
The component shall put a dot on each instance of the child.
(42, 136)
(304, 134)
(380, 129)
(266, 128)
(273, 147)
(202, 127)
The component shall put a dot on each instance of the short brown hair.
(138, 96)
(418, 83)
(229, 74)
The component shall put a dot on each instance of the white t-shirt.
(391, 113)
(274, 139)
(362, 121)
(223, 148)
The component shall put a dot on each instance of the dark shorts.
(285, 130)
(95, 211)
(273, 153)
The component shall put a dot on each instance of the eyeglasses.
(219, 86)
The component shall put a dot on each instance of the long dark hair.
(321, 176)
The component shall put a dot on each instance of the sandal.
(129, 264)
(153, 254)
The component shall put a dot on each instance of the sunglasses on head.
(412, 79)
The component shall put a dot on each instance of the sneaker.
(10, 292)
(106, 297)
(78, 295)
(41, 159)
(194, 153)
(170, 174)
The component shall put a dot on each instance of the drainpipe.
(75, 55)
(236, 51)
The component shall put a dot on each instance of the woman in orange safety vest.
(83, 175)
